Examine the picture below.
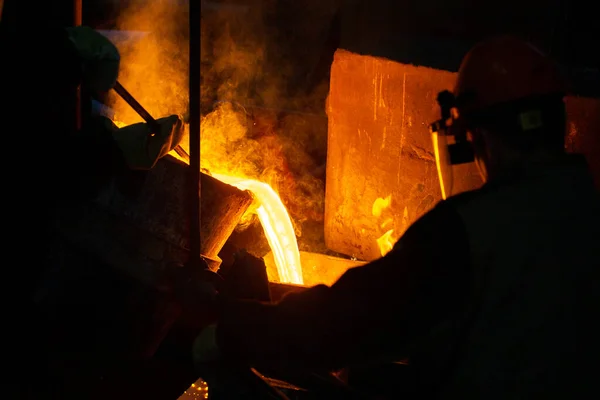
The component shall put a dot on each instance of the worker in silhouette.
(50, 71)
(51, 163)
(493, 294)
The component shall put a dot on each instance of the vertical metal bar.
(194, 99)
(77, 13)
(77, 20)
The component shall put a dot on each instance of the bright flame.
(274, 219)
(277, 225)
(380, 204)
(386, 242)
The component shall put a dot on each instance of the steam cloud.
(250, 77)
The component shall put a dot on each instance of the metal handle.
(142, 112)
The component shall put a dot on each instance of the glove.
(142, 148)
(100, 58)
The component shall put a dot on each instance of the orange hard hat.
(505, 69)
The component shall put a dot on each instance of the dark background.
(434, 33)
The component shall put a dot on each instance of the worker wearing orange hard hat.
(493, 293)
(507, 88)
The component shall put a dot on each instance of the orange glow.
(438, 163)
(277, 225)
(386, 241)
(154, 68)
(317, 268)
(381, 204)
(275, 220)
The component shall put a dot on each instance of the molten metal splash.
(386, 241)
(277, 225)
(275, 221)
(381, 204)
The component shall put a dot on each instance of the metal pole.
(77, 21)
(137, 107)
(77, 13)
(194, 115)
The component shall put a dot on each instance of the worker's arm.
(370, 314)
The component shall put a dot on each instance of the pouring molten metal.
(277, 225)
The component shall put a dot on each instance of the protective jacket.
(46, 164)
(490, 295)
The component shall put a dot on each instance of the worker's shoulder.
(460, 210)
(454, 204)
(464, 198)
(446, 214)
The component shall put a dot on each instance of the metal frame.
(194, 129)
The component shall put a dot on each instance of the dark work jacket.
(46, 165)
(493, 294)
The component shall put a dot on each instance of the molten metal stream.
(277, 225)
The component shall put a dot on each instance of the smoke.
(154, 65)
(263, 117)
